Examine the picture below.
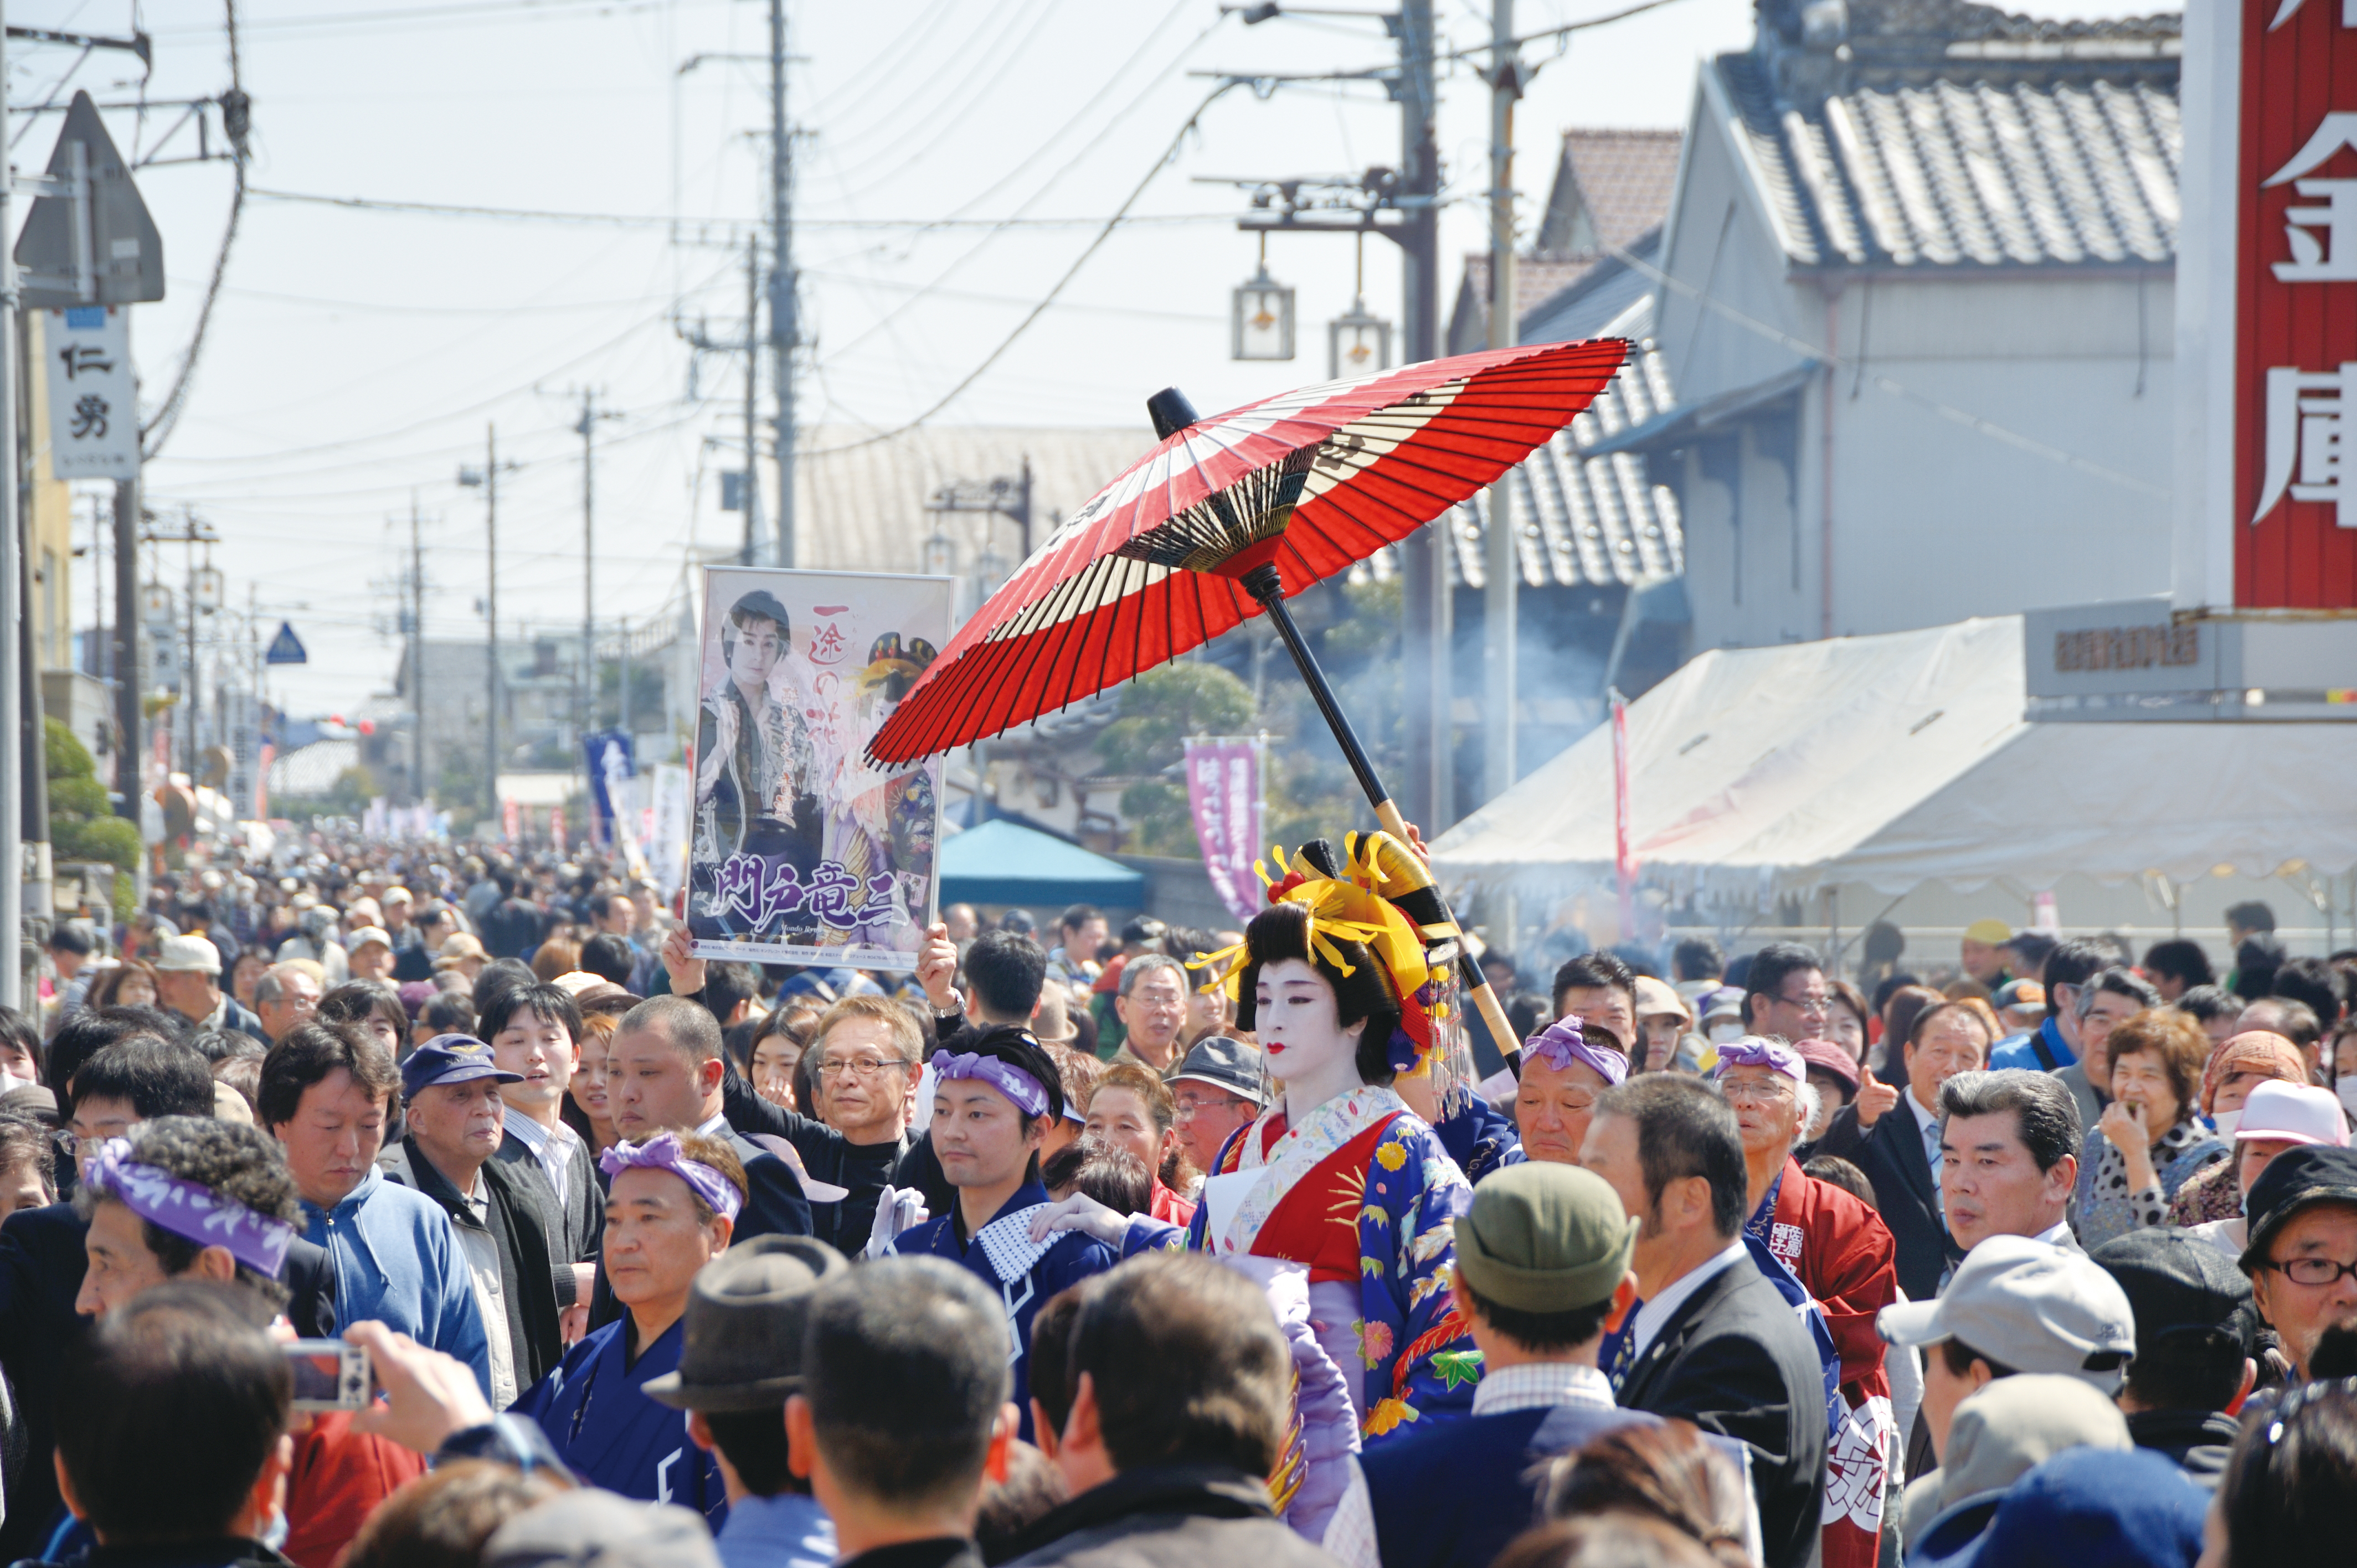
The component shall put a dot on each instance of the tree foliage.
(1162, 707)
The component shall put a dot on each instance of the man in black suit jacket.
(667, 1072)
(1714, 1342)
(1893, 1135)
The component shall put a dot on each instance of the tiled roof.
(1609, 188)
(1581, 518)
(1950, 134)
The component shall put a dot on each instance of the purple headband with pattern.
(662, 1153)
(1753, 1051)
(188, 1210)
(1027, 1093)
(1562, 1043)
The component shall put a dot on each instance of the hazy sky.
(355, 357)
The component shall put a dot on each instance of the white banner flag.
(93, 397)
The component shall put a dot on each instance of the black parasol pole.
(1171, 413)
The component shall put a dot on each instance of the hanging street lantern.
(1357, 343)
(1260, 325)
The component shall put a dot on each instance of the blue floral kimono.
(1023, 1273)
(595, 1410)
(1363, 1193)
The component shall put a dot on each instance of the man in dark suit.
(1713, 1342)
(666, 1071)
(1893, 1135)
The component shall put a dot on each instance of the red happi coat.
(1842, 1253)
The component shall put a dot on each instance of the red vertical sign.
(2296, 306)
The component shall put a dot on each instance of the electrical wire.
(1071, 272)
(234, 124)
(657, 220)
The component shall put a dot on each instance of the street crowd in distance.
(1098, 1243)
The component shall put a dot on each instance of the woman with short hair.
(2151, 1140)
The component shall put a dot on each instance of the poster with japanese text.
(804, 851)
(93, 404)
(1224, 795)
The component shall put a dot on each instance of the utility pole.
(417, 657)
(488, 476)
(1009, 498)
(784, 324)
(1502, 558)
(748, 490)
(1424, 589)
(129, 673)
(586, 428)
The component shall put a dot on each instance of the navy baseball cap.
(2086, 1506)
(450, 1059)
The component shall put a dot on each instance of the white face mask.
(1720, 1033)
(2226, 1122)
(2347, 1090)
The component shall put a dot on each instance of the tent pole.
(1265, 585)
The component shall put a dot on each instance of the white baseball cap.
(2029, 1306)
(2293, 1113)
(186, 955)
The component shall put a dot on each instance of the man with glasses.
(1842, 1254)
(1219, 1089)
(2302, 1256)
(1785, 993)
(1152, 1006)
(863, 1058)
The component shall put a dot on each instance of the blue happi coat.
(594, 1409)
(1022, 1272)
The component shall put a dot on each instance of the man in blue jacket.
(324, 1092)
(1542, 1269)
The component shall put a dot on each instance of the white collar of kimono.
(1300, 1150)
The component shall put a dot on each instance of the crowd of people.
(1154, 1246)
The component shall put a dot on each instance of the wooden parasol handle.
(1263, 584)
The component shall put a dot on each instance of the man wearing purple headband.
(993, 1101)
(1564, 1066)
(672, 1208)
(1843, 1255)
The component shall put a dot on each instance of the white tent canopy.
(1900, 759)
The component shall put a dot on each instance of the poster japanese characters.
(803, 849)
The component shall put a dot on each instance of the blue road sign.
(287, 647)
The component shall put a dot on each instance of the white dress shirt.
(553, 1150)
(1927, 1128)
(1661, 1308)
(1536, 1385)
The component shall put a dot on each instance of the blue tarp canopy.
(1006, 862)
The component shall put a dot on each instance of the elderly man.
(188, 981)
(864, 1061)
(286, 995)
(1564, 1067)
(2302, 1256)
(1842, 1254)
(1217, 1090)
(1152, 1007)
(2009, 1145)
(1893, 1137)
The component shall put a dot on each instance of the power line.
(657, 220)
(1070, 273)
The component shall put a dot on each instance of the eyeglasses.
(1750, 1091)
(1814, 1002)
(1190, 1104)
(856, 1067)
(2311, 1272)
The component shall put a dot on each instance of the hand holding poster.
(803, 852)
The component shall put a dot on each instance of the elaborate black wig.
(1282, 931)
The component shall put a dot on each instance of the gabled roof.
(1611, 190)
(1937, 133)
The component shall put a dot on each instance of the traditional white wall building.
(1916, 297)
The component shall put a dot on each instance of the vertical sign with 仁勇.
(92, 394)
(1224, 797)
